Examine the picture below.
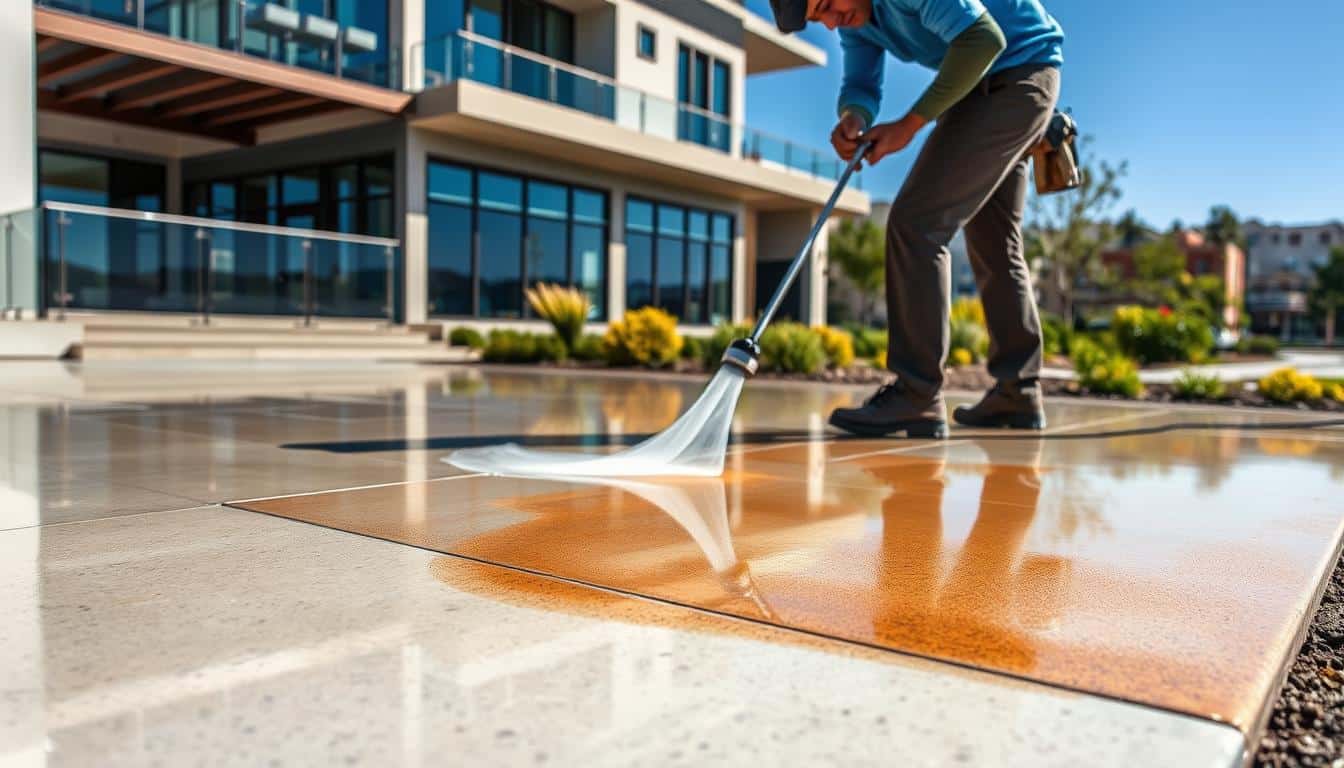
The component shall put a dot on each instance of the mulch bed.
(974, 378)
(1306, 727)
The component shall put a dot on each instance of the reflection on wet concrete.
(1097, 565)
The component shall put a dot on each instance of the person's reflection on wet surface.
(994, 596)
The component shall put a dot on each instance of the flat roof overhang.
(502, 118)
(97, 69)
(769, 50)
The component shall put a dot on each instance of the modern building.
(419, 160)
(1281, 265)
(1202, 257)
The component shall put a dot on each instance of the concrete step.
(111, 336)
(225, 351)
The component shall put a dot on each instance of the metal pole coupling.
(744, 354)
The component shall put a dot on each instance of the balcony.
(465, 56)
(93, 258)
(269, 31)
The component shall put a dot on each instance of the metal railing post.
(140, 14)
(242, 23)
(9, 269)
(338, 52)
(389, 257)
(203, 275)
(307, 283)
(555, 93)
(62, 295)
(507, 77)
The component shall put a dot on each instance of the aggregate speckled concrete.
(139, 630)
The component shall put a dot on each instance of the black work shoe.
(893, 408)
(1015, 404)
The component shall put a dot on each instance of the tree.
(860, 250)
(1068, 231)
(1327, 295)
(1131, 229)
(1223, 227)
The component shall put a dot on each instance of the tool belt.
(1055, 156)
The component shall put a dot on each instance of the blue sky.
(1236, 102)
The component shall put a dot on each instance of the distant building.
(1281, 262)
(1202, 257)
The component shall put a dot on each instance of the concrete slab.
(220, 635)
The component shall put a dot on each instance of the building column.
(744, 266)
(406, 35)
(815, 289)
(415, 229)
(616, 256)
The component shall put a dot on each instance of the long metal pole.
(801, 258)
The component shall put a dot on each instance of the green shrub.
(693, 348)
(505, 346)
(838, 345)
(590, 347)
(1333, 390)
(1258, 345)
(1104, 371)
(1193, 385)
(466, 337)
(959, 358)
(551, 348)
(565, 308)
(1055, 334)
(868, 342)
(1287, 385)
(646, 336)
(968, 335)
(1154, 336)
(724, 334)
(792, 348)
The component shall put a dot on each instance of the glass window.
(499, 192)
(487, 18)
(559, 35)
(74, 179)
(547, 251)
(722, 87)
(450, 288)
(670, 263)
(638, 269)
(590, 206)
(258, 199)
(378, 177)
(501, 235)
(671, 220)
(700, 81)
(720, 283)
(300, 187)
(697, 275)
(698, 227)
(547, 199)
(449, 184)
(345, 180)
(639, 215)
(223, 200)
(723, 228)
(588, 248)
(648, 43)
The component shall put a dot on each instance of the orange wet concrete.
(1172, 569)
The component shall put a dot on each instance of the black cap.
(790, 15)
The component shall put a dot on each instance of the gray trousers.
(971, 174)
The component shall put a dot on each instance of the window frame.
(641, 30)
(476, 169)
(686, 239)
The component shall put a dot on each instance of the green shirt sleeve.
(969, 57)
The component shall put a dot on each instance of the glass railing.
(268, 30)
(19, 291)
(466, 56)
(106, 258)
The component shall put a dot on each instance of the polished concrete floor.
(1123, 590)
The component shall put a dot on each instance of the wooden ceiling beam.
(70, 64)
(45, 43)
(273, 105)
(122, 77)
(143, 117)
(228, 96)
(165, 89)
